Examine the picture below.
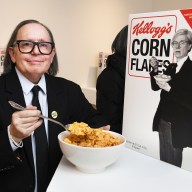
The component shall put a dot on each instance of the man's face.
(32, 65)
(181, 46)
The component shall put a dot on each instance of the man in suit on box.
(173, 118)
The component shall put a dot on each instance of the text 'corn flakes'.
(83, 135)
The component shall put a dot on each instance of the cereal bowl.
(91, 159)
(162, 78)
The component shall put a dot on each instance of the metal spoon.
(19, 107)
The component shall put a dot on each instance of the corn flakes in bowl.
(162, 78)
(91, 150)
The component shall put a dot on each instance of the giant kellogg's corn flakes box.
(151, 35)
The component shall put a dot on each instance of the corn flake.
(83, 135)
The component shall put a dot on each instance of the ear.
(53, 54)
(12, 54)
(190, 46)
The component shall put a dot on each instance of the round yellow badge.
(54, 114)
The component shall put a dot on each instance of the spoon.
(19, 107)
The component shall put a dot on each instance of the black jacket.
(175, 106)
(65, 97)
(110, 91)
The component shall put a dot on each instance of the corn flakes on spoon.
(80, 128)
(19, 107)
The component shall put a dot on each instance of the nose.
(35, 50)
(178, 46)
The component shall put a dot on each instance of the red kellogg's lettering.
(147, 28)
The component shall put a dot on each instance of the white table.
(133, 172)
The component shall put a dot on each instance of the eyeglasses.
(26, 46)
(180, 44)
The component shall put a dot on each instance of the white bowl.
(88, 159)
(162, 78)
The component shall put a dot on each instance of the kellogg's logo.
(150, 36)
(148, 28)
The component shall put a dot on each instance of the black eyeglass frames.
(26, 46)
(180, 43)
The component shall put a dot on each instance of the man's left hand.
(163, 85)
(107, 127)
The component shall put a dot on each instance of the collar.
(28, 85)
(180, 63)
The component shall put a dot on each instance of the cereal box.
(151, 35)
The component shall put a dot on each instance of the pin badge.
(54, 114)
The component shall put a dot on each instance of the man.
(31, 61)
(173, 118)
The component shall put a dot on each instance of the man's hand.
(24, 123)
(163, 85)
(107, 127)
(154, 63)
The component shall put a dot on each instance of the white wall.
(81, 29)
(164, 5)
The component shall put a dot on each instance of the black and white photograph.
(158, 105)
